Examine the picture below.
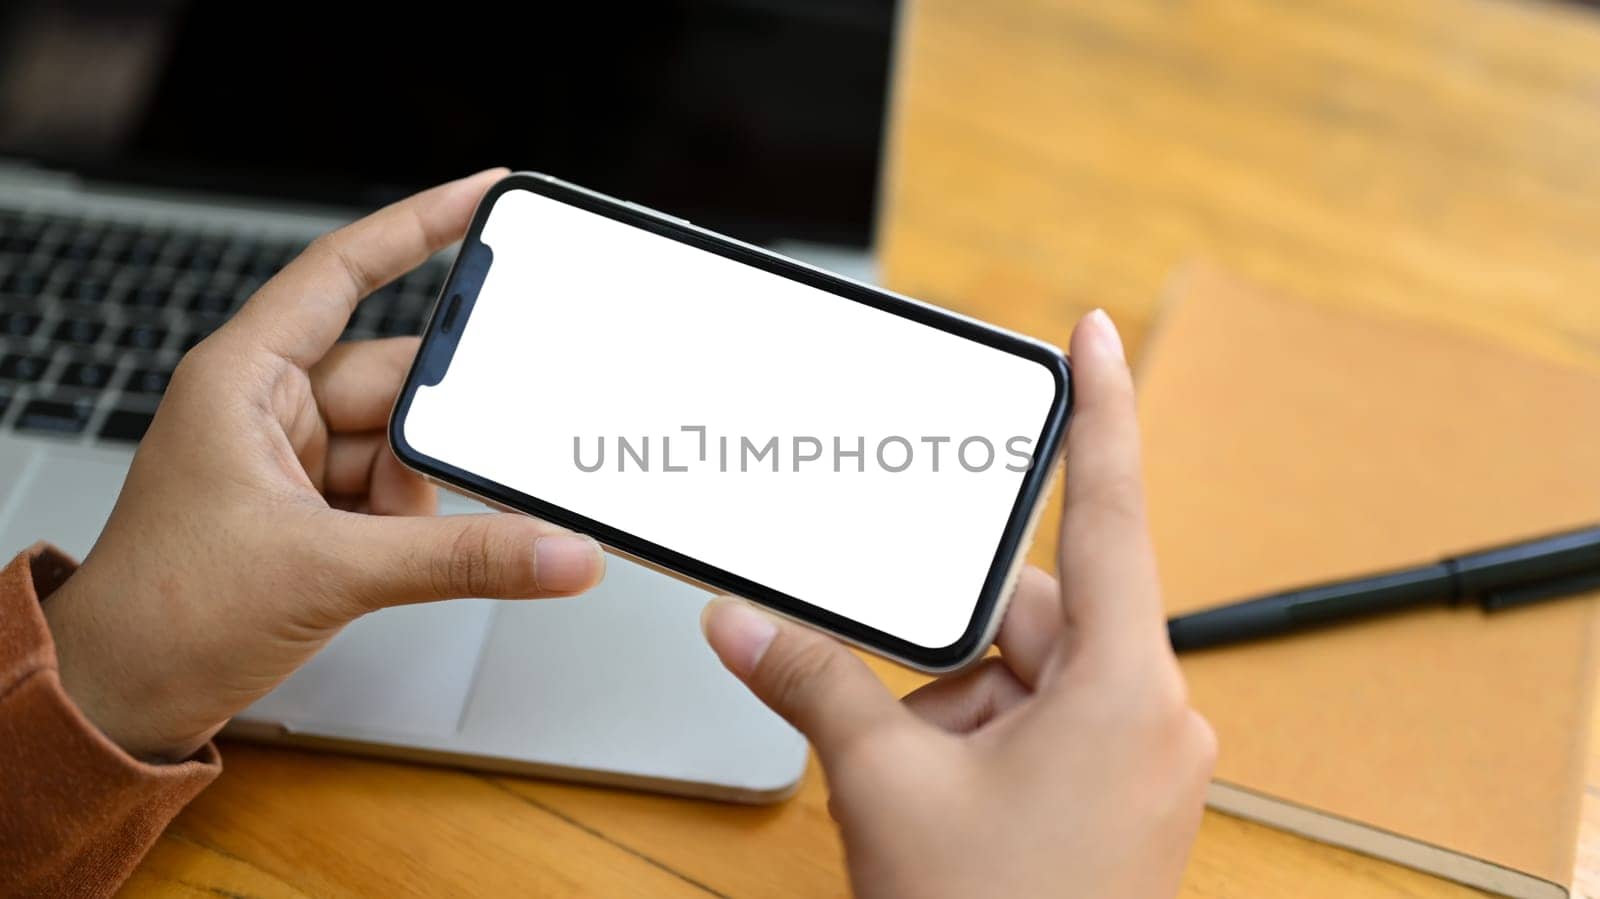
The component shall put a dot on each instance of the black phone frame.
(471, 265)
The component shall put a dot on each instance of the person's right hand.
(1072, 764)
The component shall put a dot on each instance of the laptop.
(160, 160)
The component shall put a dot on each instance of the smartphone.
(861, 462)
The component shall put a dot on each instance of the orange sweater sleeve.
(76, 812)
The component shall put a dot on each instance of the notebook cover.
(1287, 443)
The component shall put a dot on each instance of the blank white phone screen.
(807, 442)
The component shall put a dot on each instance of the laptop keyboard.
(95, 314)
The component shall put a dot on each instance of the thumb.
(490, 556)
(810, 679)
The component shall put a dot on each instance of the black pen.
(1544, 568)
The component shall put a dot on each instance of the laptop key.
(357, 331)
(178, 248)
(79, 331)
(191, 339)
(56, 416)
(89, 375)
(212, 302)
(117, 237)
(152, 381)
(23, 237)
(87, 290)
(245, 288)
(24, 281)
(260, 268)
(79, 248)
(400, 325)
(145, 248)
(63, 273)
(204, 255)
(126, 425)
(19, 242)
(149, 295)
(19, 367)
(18, 324)
(241, 246)
(142, 337)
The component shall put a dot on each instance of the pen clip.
(1495, 600)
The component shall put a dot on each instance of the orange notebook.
(1287, 444)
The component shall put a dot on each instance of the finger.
(1110, 596)
(1032, 627)
(361, 470)
(301, 311)
(811, 680)
(964, 702)
(396, 489)
(355, 383)
(392, 561)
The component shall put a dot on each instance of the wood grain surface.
(1434, 160)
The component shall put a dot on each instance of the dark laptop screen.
(763, 118)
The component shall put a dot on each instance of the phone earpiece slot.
(450, 313)
(466, 281)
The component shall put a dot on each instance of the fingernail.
(1105, 333)
(566, 563)
(738, 633)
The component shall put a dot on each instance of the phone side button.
(655, 212)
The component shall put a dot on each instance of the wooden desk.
(1434, 160)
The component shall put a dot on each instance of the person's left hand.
(264, 510)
